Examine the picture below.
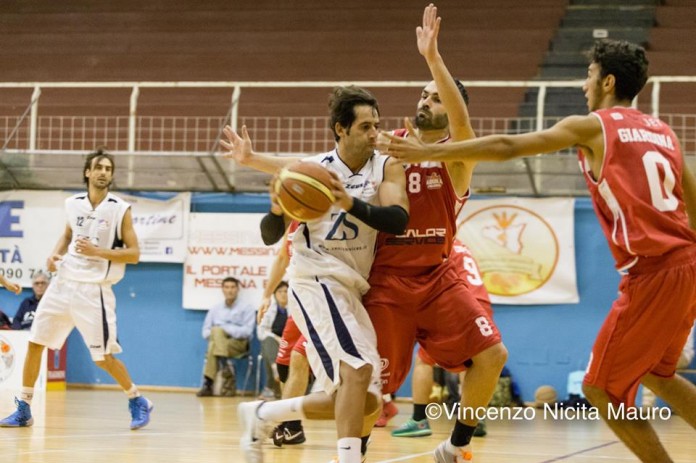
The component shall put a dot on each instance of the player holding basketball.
(91, 256)
(328, 271)
(645, 199)
(417, 291)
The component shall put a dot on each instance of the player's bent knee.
(656, 383)
(494, 356)
(104, 363)
(593, 393)
(35, 349)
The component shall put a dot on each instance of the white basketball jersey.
(338, 244)
(101, 226)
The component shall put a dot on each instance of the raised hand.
(409, 149)
(238, 148)
(428, 32)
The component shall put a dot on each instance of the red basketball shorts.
(647, 326)
(291, 340)
(437, 310)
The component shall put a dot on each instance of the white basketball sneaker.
(254, 430)
(442, 454)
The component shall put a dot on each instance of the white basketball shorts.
(91, 307)
(334, 321)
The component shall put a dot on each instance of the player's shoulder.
(117, 200)
(324, 159)
(77, 197)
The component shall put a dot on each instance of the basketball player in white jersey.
(90, 256)
(328, 276)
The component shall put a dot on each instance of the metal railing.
(197, 134)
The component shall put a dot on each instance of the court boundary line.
(563, 457)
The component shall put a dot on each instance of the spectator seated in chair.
(228, 327)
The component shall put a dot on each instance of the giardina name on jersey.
(629, 135)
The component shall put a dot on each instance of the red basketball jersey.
(464, 260)
(292, 228)
(432, 226)
(638, 194)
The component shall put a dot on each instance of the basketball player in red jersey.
(417, 293)
(422, 377)
(645, 199)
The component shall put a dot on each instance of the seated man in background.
(25, 314)
(269, 333)
(227, 327)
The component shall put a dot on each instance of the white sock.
(282, 410)
(27, 394)
(453, 450)
(133, 392)
(349, 450)
(386, 398)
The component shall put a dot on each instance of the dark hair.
(99, 154)
(463, 91)
(625, 61)
(342, 102)
(282, 284)
(230, 279)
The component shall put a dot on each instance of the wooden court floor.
(92, 426)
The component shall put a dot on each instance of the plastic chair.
(249, 358)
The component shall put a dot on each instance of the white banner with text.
(32, 221)
(222, 245)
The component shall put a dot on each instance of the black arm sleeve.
(389, 219)
(272, 228)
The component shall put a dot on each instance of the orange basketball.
(304, 191)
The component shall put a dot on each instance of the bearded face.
(427, 120)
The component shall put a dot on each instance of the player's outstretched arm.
(457, 113)
(273, 224)
(280, 264)
(14, 287)
(392, 215)
(427, 35)
(239, 149)
(571, 131)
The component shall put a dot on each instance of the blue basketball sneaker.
(140, 409)
(19, 419)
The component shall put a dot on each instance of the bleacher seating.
(217, 40)
(671, 47)
(583, 23)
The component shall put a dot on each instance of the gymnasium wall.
(163, 346)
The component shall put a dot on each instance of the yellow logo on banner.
(516, 249)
